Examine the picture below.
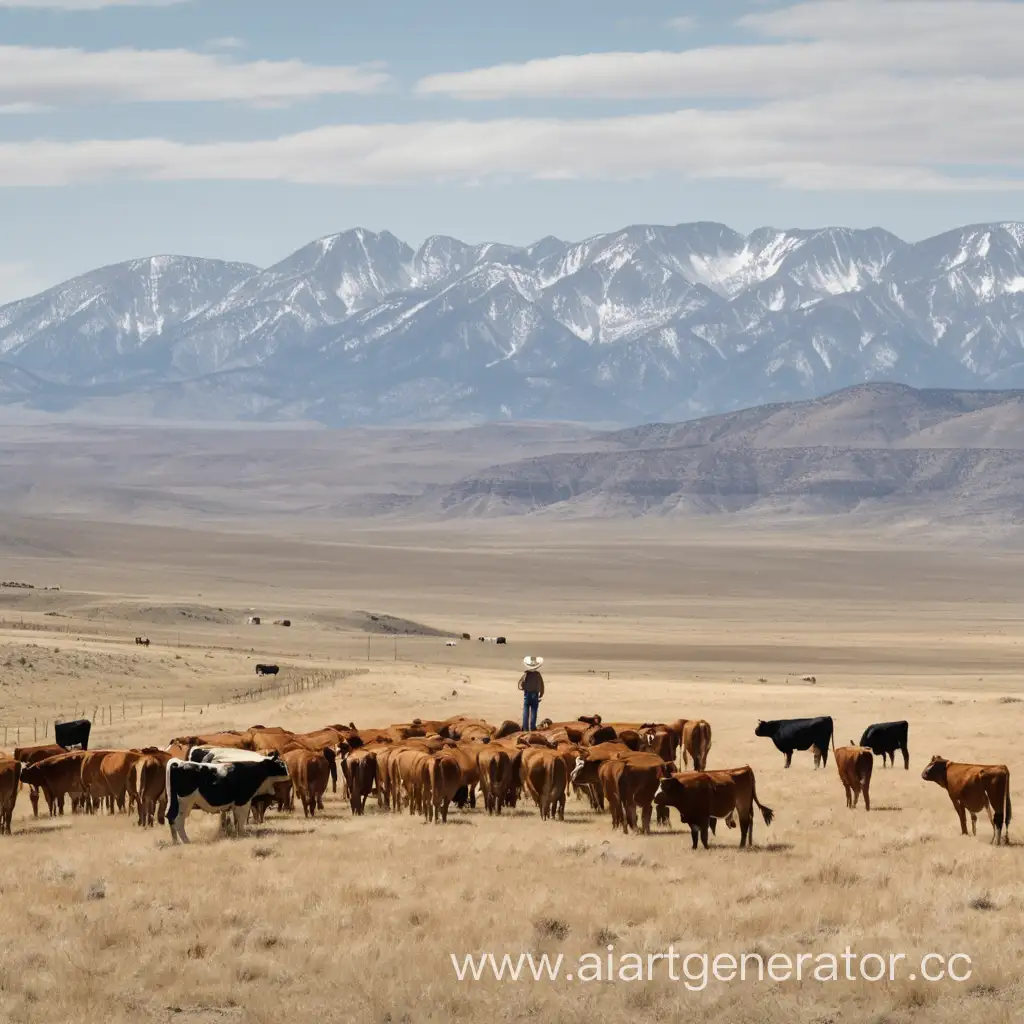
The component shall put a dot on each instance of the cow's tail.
(705, 746)
(494, 796)
(1008, 806)
(766, 812)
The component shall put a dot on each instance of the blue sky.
(242, 130)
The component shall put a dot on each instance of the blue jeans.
(531, 701)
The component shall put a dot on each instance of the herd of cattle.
(630, 769)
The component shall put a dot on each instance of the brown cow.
(310, 772)
(974, 788)
(732, 790)
(10, 783)
(696, 743)
(690, 794)
(495, 768)
(855, 764)
(409, 778)
(638, 776)
(30, 755)
(150, 772)
(544, 777)
(57, 777)
(444, 774)
(360, 768)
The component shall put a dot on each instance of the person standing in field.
(532, 685)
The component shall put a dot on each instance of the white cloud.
(86, 5)
(967, 136)
(51, 76)
(814, 46)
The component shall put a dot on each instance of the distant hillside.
(873, 448)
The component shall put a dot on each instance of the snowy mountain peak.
(647, 322)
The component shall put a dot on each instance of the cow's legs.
(974, 824)
(645, 818)
(694, 835)
(906, 758)
(240, 814)
(962, 815)
(867, 796)
(789, 758)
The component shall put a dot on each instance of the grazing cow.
(690, 794)
(267, 670)
(732, 791)
(216, 788)
(57, 777)
(150, 787)
(495, 768)
(638, 777)
(310, 773)
(975, 788)
(696, 743)
(72, 735)
(886, 738)
(544, 777)
(360, 768)
(855, 764)
(789, 734)
(30, 755)
(444, 775)
(10, 783)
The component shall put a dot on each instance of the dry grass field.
(355, 918)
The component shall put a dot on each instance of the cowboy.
(532, 685)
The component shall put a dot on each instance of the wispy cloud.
(86, 5)
(919, 145)
(814, 46)
(55, 77)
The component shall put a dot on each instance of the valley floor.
(347, 918)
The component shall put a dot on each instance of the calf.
(789, 734)
(690, 794)
(855, 764)
(217, 788)
(886, 738)
(975, 788)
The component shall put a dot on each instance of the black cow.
(500, 640)
(886, 738)
(267, 670)
(217, 789)
(72, 735)
(789, 734)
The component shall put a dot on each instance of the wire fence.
(107, 713)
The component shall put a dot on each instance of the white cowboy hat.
(531, 662)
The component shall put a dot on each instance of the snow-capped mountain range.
(646, 323)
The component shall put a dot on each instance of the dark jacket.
(532, 682)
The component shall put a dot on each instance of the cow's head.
(935, 771)
(668, 789)
(764, 728)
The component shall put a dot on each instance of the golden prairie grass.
(347, 918)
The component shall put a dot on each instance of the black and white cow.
(789, 734)
(886, 738)
(217, 787)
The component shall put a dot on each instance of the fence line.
(41, 729)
